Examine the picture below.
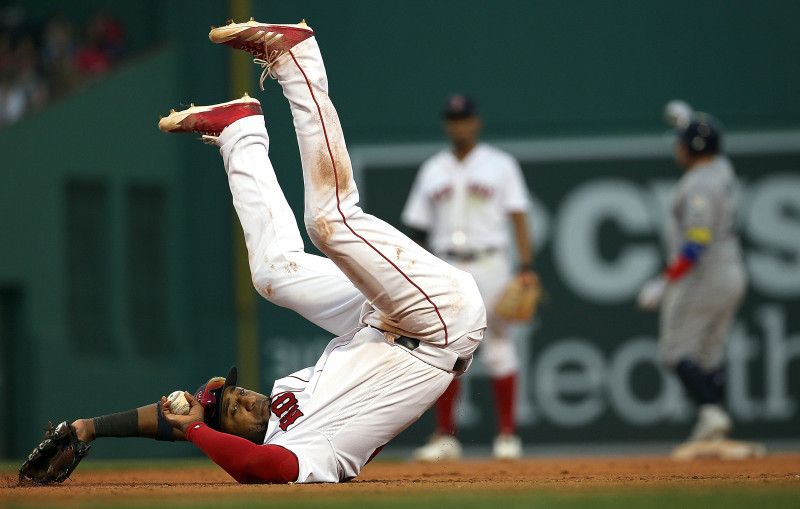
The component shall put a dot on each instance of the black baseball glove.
(56, 457)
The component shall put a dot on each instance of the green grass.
(691, 499)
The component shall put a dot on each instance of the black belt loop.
(407, 342)
(412, 344)
(460, 365)
(470, 256)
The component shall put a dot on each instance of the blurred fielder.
(702, 287)
(460, 206)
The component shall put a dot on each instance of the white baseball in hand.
(178, 404)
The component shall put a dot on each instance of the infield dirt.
(569, 474)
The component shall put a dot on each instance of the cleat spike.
(191, 105)
(252, 18)
(229, 22)
(172, 111)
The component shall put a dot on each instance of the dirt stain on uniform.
(456, 295)
(325, 176)
(399, 252)
(324, 228)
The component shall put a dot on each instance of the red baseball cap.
(210, 397)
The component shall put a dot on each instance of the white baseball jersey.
(698, 308)
(464, 206)
(374, 286)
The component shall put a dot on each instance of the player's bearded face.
(245, 414)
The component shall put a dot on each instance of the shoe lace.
(266, 65)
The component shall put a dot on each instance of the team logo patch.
(286, 408)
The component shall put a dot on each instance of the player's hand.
(182, 422)
(651, 294)
(84, 429)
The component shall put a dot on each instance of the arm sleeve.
(690, 253)
(697, 233)
(517, 198)
(243, 460)
(416, 212)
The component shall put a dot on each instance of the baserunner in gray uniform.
(703, 285)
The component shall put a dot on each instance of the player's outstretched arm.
(696, 242)
(524, 248)
(65, 444)
(139, 422)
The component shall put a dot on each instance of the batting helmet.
(702, 135)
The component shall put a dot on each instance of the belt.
(412, 344)
(470, 256)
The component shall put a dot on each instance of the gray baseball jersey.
(698, 308)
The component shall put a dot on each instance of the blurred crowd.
(41, 60)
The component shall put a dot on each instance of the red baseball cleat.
(209, 120)
(264, 41)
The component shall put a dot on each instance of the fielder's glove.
(56, 457)
(651, 294)
(520, 300)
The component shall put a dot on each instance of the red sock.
(504, 392)
(445, 409)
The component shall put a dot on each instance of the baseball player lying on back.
(407, 322)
